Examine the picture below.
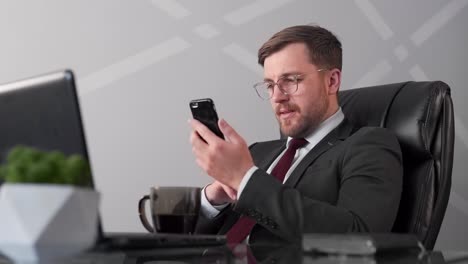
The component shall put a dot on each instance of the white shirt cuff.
(245, 180)
(207, 209)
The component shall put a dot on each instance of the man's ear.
(334, 81)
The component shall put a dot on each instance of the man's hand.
(218, 193)
(226, 161)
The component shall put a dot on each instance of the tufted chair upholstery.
(421, 116)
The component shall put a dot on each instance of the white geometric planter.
(42, 221)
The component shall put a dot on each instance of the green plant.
(30, 165)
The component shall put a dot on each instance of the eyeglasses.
(287, 85)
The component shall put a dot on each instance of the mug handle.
(142, 213)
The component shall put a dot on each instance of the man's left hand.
(227, 160)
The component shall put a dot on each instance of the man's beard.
(304, 125)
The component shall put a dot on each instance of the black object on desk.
(142, 241)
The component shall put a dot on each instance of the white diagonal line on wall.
(375, 19)
(459, 202)
(401, 52)
(206, 31)
(132, 64)
(244, 57)
(418, 74)
(437, 21)
(253, 10)
(460, 130)
(172, 8)
(374, 75)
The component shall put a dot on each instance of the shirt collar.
(323, 129)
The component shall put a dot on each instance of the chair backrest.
(421, 116)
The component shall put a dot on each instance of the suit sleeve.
(209, 225)
(368, 198)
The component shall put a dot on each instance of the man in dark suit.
(327, 176)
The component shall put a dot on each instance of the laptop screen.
(42, 112)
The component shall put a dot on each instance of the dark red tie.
(241, 229)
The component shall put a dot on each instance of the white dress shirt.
(313, 139)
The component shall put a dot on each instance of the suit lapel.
(271, 156)
(339, 133)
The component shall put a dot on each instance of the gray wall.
(138, 63)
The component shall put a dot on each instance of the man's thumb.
(230, 192)
(229, 133)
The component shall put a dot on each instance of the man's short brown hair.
(324, 47)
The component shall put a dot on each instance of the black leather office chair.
(421, 116)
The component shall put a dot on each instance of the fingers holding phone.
(204, 111)
(226, 161)
(202, 133)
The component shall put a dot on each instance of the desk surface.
(244, 254)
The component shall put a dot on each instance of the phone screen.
(204, 111)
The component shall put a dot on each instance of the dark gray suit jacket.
(351, 181)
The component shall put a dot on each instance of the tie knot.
(296, 143)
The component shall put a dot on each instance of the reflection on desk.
(264, 254)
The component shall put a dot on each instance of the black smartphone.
(204, 111)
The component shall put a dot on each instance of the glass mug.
(173, 209)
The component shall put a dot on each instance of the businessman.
(326, 176)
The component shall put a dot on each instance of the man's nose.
(278, 95)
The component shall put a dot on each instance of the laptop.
(44, 112)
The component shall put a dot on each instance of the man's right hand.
(218, 193)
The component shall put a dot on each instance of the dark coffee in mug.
(183, 224)
(173, 209)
